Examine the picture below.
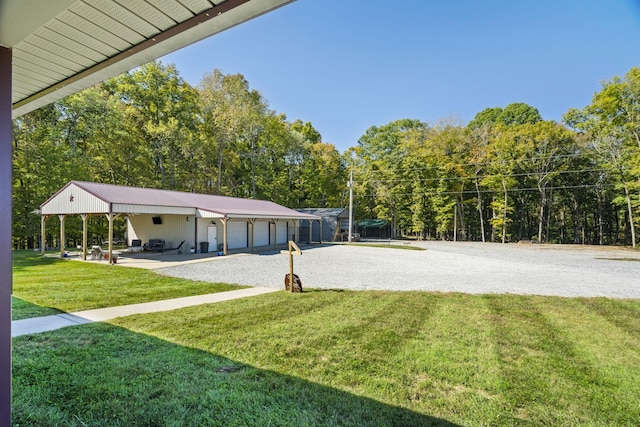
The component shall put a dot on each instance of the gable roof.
(326, 212)
(78, 197)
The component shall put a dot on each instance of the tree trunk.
(549, 203)
(480, 210)
(463, 226)
(219, 184)
(504, 213)
(600, 230)
(630, 214)
(543, 201)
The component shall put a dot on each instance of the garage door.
(282, 233)
(261, 234)
(236, 235)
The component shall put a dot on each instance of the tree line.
(149, 128)
(507, 175)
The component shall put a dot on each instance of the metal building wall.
(74, 200)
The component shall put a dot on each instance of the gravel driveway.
(476, 268)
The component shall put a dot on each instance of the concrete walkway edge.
(57, 321)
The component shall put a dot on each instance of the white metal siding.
(74, 200)
(173, 230)
(261, 233)
(157, 210)
(236, 235)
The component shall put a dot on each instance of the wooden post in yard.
(292, 247)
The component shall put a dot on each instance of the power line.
(487, 191)
(481, 177)
(559, 156)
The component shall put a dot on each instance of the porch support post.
(252, 221)
(320, 222)
(85, 220)
(43, 234)
(275, 234)
(62, 234)
(5, 236)
(224, 235)
(310, 230)
(195, 231)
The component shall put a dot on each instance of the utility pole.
(350, 185)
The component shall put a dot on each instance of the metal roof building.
(180, 216)
(335, 222)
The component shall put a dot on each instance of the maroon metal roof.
(223, 205)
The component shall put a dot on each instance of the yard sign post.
(293, 249)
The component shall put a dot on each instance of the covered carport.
(51, 49)
(187, 216)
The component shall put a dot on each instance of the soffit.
(63, 46)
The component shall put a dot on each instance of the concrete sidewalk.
(50, 323)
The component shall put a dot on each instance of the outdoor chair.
(96, 252)
(154, 245)
(136, 246)
(177, 248)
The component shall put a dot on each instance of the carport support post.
(85, 219)
(110, 217)
(252, 221)
(275, 232)
(62, 234)
(5, 236)
(43, 234)
(224, 236)
(290, 267)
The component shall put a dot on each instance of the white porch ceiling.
(63, 46)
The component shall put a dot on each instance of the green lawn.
(66, 285)
(341, 358)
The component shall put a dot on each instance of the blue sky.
(345, 65)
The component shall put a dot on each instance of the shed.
(173, 216)
(376, 228)
(335, 221)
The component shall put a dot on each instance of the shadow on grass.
(103, 375)
(25, 259)
(22, 309)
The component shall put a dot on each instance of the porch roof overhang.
(51, 49)
(61, 47)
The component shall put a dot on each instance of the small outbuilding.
(333, 226)
(165, 219)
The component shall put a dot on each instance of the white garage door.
(236, 235)
(282, 232)
(261, 234)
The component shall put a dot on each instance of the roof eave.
(215, 20)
